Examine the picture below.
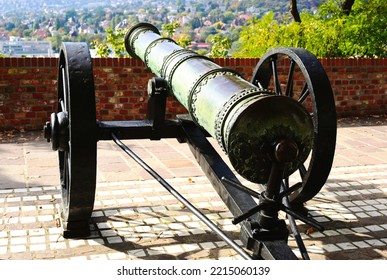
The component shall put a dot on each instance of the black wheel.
(78, 140)
(298, 74)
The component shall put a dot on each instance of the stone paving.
(135, 218)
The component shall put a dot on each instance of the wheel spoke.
(289, 85)
(64, 85)
(66, 173)
(302, 171)
(286, 183)
(62, 106)
(277, 86)
(304, 93)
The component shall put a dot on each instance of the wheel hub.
(57, 131)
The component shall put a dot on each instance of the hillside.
(88, 20)
(8, 7)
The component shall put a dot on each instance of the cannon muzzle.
(254, 126)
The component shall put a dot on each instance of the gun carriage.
(266, 126)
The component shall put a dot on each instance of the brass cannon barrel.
(247, 121)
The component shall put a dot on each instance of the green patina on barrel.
(247, 121)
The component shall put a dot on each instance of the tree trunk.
(347, 6)
(294, 11)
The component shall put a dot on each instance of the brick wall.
(28, 88)
(27, 92)
(359, 85)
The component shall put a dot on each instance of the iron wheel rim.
(77, 163)
(318, 88)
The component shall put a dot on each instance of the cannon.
(272, 128)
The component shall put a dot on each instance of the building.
(26, 48)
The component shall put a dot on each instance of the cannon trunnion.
(272, 128)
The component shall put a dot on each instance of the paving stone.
(96, 242)
(331, 248)
(346, 246)
(114, 240)
(108, 233)
(361, 244)
(98, 257)
(117, 256)
(76, 243)
(38, 247)
(332, 232)
(174, 249)
(375, 242)
(155, 251)
(37, 239)
(137, 253)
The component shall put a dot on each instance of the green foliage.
(184, 41)
(169, 29)
(102, 49)
(116, 39)
(220, 46)
(114, 43)
(328, 33)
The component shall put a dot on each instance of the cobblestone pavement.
(135, 218)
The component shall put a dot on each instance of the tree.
(184, 41)
(102, 49)
(205, 32)
(220, 45)
(195, 23)
(27, 33)
(9, 26)
(113, 43)
(56, 41)
(70, 14)
(169, 29)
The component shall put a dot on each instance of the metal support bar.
(179, 197)
(139, 130)
(306, 220)
(241, 187)
(296, 233)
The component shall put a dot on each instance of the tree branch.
(347, 6)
